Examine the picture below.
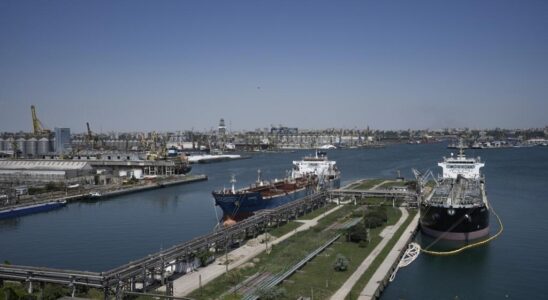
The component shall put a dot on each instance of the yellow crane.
(37, 126)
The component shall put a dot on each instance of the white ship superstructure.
(318, 165)
(468, 168)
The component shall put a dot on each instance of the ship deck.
(457, 192)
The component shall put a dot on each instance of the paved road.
(386, 235)
(190, 282)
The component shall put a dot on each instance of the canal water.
(98, 236)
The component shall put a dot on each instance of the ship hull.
(241, 205)
(462, 224)
(31, 209)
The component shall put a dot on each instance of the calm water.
(102, 235)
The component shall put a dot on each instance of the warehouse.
(35, 171)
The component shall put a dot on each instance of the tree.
(341, 263)
(357, 233)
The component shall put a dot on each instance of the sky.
(182, 65)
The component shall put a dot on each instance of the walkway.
(369, 291)
(378, 185)
(386, 235)
(187, 283)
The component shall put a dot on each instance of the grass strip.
(366, 276)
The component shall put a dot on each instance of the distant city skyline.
(181, 65)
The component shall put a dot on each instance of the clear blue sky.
(170, 65)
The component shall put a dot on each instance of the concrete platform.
(386, 235)
(385, 268)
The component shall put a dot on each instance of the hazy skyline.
(176, 65)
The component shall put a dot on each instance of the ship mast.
(461, 148)
(233, 181)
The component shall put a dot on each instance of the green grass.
(366, 276)
(317, 212)
(366, 184)
(318, 275)
(282, 230)
(282, 256)
(390, 184)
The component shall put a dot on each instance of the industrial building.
(36, 171)
(62, 141)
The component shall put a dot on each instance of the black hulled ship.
(457, 209)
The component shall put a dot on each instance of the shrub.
(272, 293)
(357, 233)
(341, 263)
(205, 257)
(233, 277)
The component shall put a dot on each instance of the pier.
(110, 191)
(158, 269)
(410, 197)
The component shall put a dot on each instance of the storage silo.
(21, 145)
(2, 147)
(43, 146)
(8, 144)
(31, 147)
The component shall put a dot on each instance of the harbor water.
(100, 235)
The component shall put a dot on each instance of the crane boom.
(89, 131)
(37, 126)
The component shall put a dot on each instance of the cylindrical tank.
(31, 147)
(21, 145)
(43, 146)
(2, 146)
(8, 144)
(120, 145)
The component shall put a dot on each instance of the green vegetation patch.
(366, 184)
(366, 276)
(319, 278)
(313, 214)
(284, 229)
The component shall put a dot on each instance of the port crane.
(37, 126)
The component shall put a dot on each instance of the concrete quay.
(379, 280)
(386, 235)
(109, 191)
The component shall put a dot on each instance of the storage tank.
(8, 144)
(2, 147)
(31, 146)
(21, 143)
(43, 146)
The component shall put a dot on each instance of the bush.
(8, 294)
(272, 293)
(341, 263)
(233, 277)
(373, 222)
(53, 291)
(375, 217)
(363, 244)
(357, 233)
(205, 257)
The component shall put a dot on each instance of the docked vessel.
(457, 209)
(30, 209)
(308, 176)
(326, 170)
